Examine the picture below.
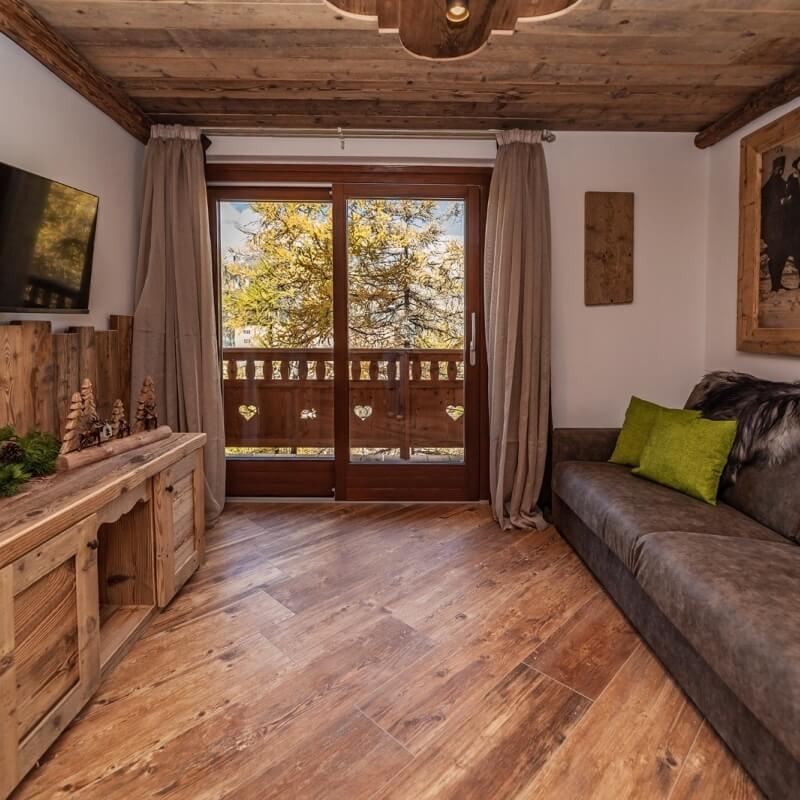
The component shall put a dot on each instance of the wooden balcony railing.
(399, 399)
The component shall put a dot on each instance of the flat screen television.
(46, 243)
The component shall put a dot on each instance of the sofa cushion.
(687, 453)
(735, 601)
(621, 508)
(769, 493)
(640, 418)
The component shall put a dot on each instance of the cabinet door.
(49, 645)
(180, 524)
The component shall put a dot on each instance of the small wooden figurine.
(119, 424)
(146, 417)
(74, 426)
(92, 429)
(88, 403)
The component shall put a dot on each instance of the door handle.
(473, 345)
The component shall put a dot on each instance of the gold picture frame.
(768, 318)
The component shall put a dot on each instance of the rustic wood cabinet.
(85, 560)
(178, 498)
(51, 642)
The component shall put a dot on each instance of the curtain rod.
(364, 133)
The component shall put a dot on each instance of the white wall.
(49, 129)
(654, 346)
(722, 258)
(601, 356)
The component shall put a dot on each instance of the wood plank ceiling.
(656, 65)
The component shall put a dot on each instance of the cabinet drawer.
(180, 524)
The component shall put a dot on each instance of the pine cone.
(10, 452)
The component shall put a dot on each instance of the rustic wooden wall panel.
(66, 352)
(87, 353)
(123, 325)
(15, 399)
(37, 350)
(604, 65)
(40, 370)
(107, 387)
(608, 278)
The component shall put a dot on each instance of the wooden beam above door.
(23, 26)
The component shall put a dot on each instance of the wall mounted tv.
(46, 243)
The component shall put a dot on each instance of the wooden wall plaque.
(608, 265)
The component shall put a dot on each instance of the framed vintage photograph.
(769, 239)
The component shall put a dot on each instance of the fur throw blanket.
(768, 414)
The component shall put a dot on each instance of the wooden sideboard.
(86, 559)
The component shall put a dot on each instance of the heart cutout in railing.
(248, 412)
(362, 412)
(455, 412)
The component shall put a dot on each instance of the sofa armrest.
(583, 444)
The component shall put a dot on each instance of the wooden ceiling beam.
(600, 122)
(23, 26)
(591, 104)
(773, 96)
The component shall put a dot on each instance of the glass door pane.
(277, 327)
(406, 319)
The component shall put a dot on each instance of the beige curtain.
(517, 298)
(174, 333)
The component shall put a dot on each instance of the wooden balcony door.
(352, 354)
(407, 314)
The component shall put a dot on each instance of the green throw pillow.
(688, 454)
(639, 420)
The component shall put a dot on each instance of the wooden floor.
(387, 651)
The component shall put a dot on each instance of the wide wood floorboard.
(401, 651)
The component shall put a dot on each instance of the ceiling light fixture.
(425, 32)
(457, 10)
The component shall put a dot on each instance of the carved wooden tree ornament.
(146, 417)
(426, 32)
(119, 423)
(74, 425)
(88, 403)
(89, 439)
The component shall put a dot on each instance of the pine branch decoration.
(39, 452)
(24, 457)
(12, 478)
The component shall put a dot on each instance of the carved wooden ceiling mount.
(425, 31)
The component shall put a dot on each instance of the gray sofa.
(715, 591)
